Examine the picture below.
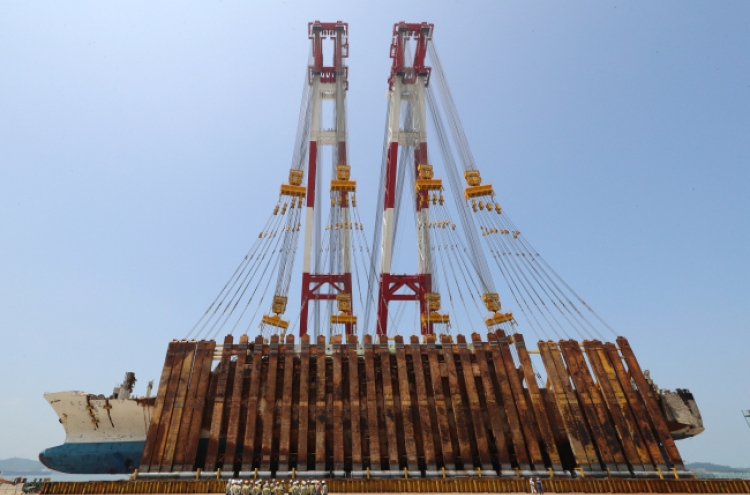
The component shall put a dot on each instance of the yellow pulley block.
(343, 319)
(429, 185)
(432, 299)
(279, 304)
(436, 318)
(343, 172)
(293, 191)
(491, 301)
(275, 321)
(295, 177)
(498, 318)
(425, 171)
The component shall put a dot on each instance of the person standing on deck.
(539, 486)
(532, 484)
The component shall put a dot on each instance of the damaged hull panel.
(102, 435)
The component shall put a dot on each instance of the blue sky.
(142, 145)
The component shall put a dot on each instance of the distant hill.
(18, 466)
(714, 468)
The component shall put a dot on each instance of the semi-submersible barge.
(361, 400)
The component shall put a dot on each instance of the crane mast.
(327, 83)
(407, 83)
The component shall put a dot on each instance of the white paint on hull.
(127, 420)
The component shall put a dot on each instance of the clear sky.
(142, 144)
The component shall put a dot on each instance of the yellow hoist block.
(344, 185)
(425, 171)
(479, 191)
(343, 319)
(344, 301)
(294, 191)
(343, 172)
(354, 200)
(498, 208)
(491, 301)
(295, 177)
(432, 299)
(429, 185)
(279, 304)
(275, 321)
(276, 210)
(498, 318)
(473, 178)
(436, 317)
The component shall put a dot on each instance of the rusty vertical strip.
(338, 410)
(456, 402)
(616, 404)
(537, 403)
(481, 350)
(390, 413)
(286, 405)
(524, 412)
(584, 433)
(428, 445)
(441, 409)
(153, 428)
(187, 412)
(248, 449)
(354, 403)
(654, 411)
(637, 406)
(212, 452)
(320, 405)
(480, 430)
(509, 404)
(589, 414)
(199, 405)
(636, 419)
(609, 435)
(268, 405)
(405, 400)
(233, 427)
(169, 402)
(564, 408)
(304, 416)
(178, 409)
(373, 433)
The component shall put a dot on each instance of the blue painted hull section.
(94, 458)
